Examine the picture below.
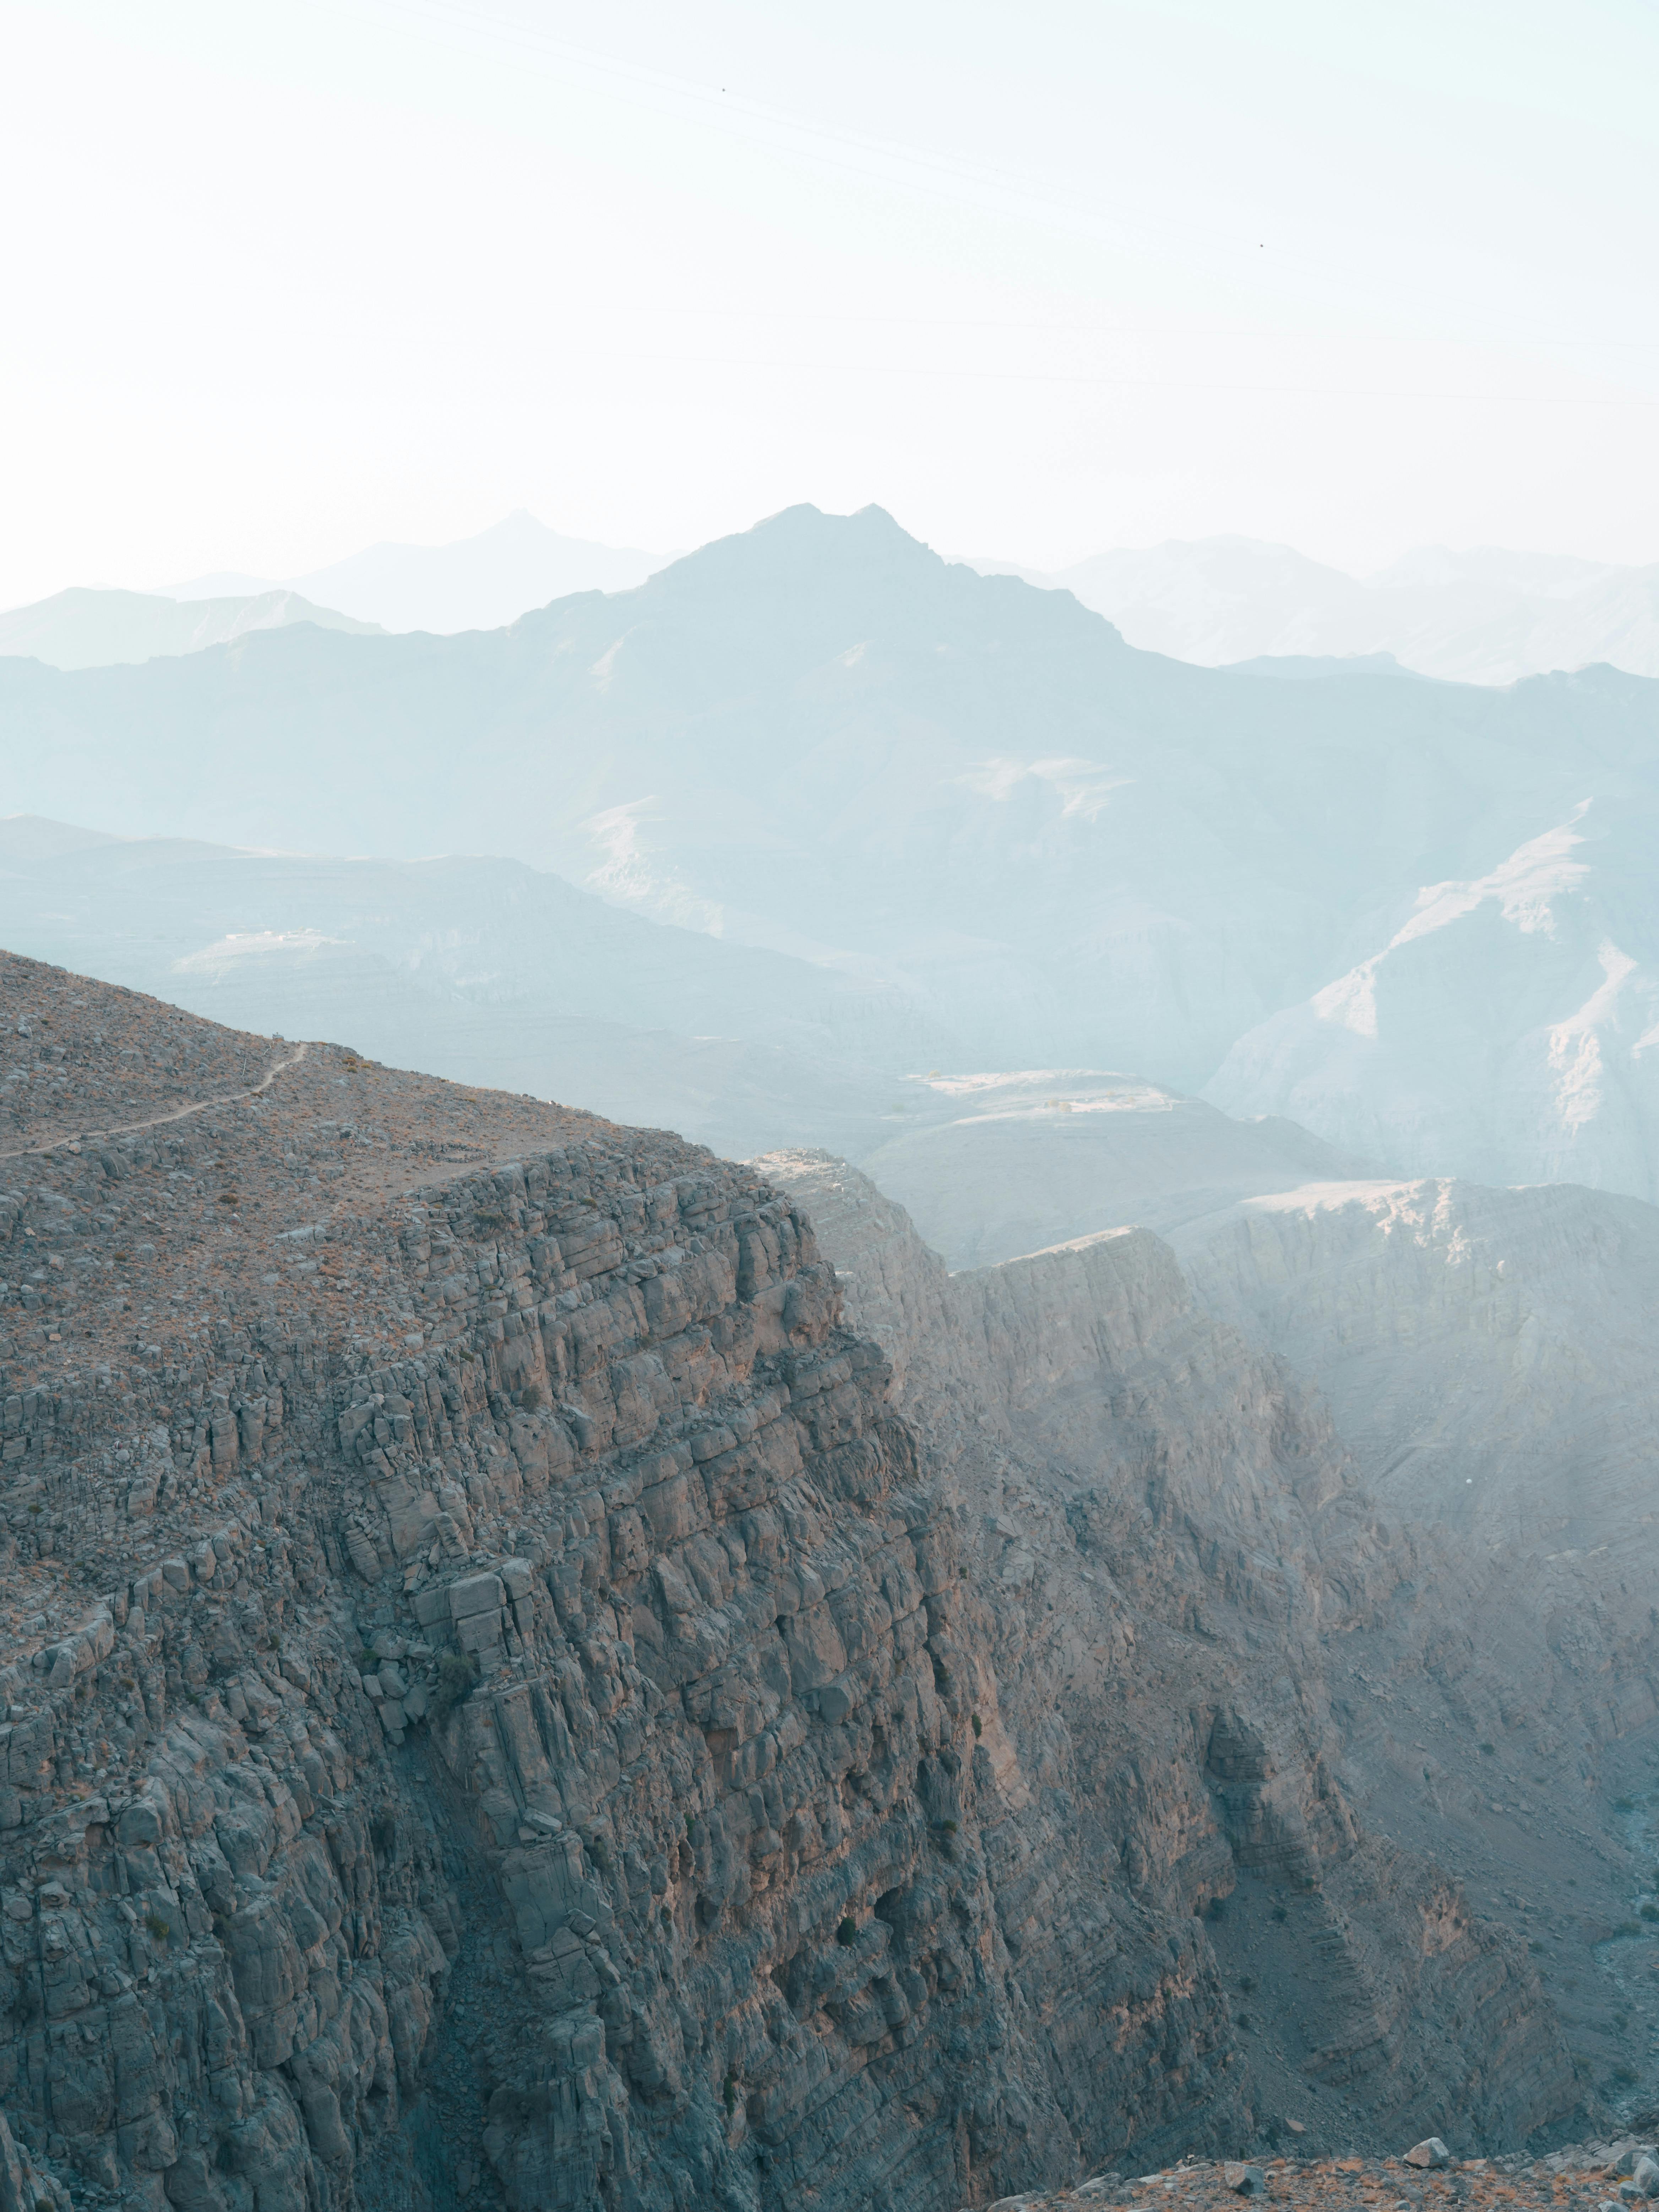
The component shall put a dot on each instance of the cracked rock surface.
(511, 1699)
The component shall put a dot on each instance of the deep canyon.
(545, 1667)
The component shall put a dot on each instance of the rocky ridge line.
(538, 1538)
(503, 1706)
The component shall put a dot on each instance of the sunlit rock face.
(1488, 1355)
(1506, 1031)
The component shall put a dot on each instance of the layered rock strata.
(1489, 1355)
(1184, 1567)
(517, 1743)
(509, 1702)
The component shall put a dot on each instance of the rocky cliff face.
(1496, 1711)
(1489, 1355)
(518, 1740)
(1177, 1553)
(512, 1699)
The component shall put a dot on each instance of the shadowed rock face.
(1121, 1456)
(1489, 1355)
(519, 1739)
(513, 1699)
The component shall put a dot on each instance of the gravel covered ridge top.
(145, 1196)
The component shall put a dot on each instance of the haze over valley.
(1481, 617)
(974, 828)
(830, 1110)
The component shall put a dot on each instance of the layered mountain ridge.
(478, 970)
(1482, 616)
(1488, 1354)
(1414, 917)
(83, 629)
(513, 1699)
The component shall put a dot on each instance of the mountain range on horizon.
(1484, 615)
(934, 900)
(84, 628)
(980, 832)
(481, 583)
(829, 1111)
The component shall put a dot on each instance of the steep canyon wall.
(517, 1694)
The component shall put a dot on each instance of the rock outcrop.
(1500, 1028)
(519, 1737)
(513, 1696)
(1177, 1547)
(1489, 1356)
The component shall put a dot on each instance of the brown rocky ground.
(277, 1137)
(508, 1702)
(167, 1185)
(1588, 2174)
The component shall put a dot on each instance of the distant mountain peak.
(1487, 615)
(484, 582)
(84, 628)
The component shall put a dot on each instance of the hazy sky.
(282, 279)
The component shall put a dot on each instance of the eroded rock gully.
(1117, 1456)
(506, 1702)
